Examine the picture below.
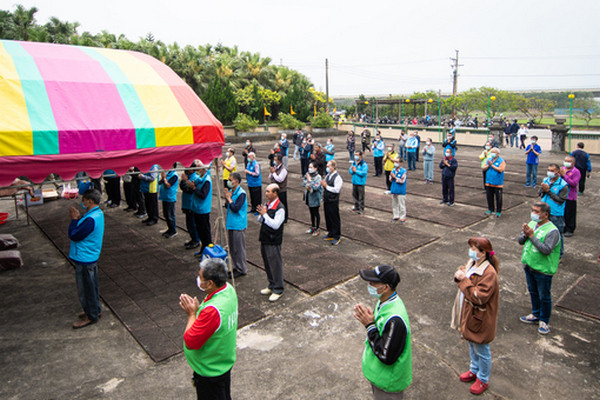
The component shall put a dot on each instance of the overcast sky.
(373, 47)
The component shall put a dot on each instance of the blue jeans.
(559, 221)
(539, 286)
(296, 148)
(481, 361)
(86, 277)
(428, 169)
(403, 152)
(412, 160)
(513, 140)
(190, 224)
(531, 175)
(169, 214)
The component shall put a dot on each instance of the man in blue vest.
(554, 192)
(387, 358)
(202, 203)
(86, 233)
(149, 187)
(237, 222)
(254, 181)
(272, 216)
(209, 341)
(168, 196)
(378, 147)
(358, 170)
(186, 206)
(494, 181)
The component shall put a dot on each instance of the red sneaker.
(467, 376)
(478, 387)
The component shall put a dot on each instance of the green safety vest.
(398, 376)
(217, 355)
(546, 264)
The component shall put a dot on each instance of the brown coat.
(479, 316)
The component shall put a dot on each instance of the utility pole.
(455, 80)
(327, 83)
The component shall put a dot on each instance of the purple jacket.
(572, 177)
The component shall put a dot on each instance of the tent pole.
(221, 231)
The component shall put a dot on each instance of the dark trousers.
(113, 190)
(86, 277)
(129, 195)
(255, 197)
(214, 387)
(283, 199)
(570, 215)
(169, 214)
(304, 165)
(315, 217)
(492, 193)
(190, 224)
(388, 183)
(484, 171)
(151, 203)
(358, 194)
(237, 249)
(448, 189)
(271, 255)
(582, 180)
(203, 228)
(559, 222)
(97, 184)
(138, 197)
(412, 156)
(539, 286)
(332, 218)
(378, 165)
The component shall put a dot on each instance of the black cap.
(381, 273)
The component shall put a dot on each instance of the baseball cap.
(381, 273)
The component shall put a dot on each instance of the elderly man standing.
(237, 222)
(494, 181)
(279, 175)
(541, 254)
(358, 170)
(332, 183)
(254, 181)
(209, 341)
(86, 234)
(202, 203)
(571, 175)
(271, 217)
(387, 358)
(554, 192)
(149, 187)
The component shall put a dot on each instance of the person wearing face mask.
(305, 152)
(332, 186)
(149, 188)
(254, 181)
(329, 150)
(358, 170)
(318, 157)
(533, 151)
(237, 222)
(388, 159)
(378, 147)
(487, 147)
(523, 131)
(554, 192)
(247, 150)
(428, 155)
(229, 165)
(351, 146)
(398, 191)
(412, 146)
(273, 153)
(571, 175)
(209, 340)
(284, 145)
(450, 142)
(540, 257)
(583, 164)
(494, 182)
(311, 182)
(297, 139)
(168, 196)
(86, 234)
(448, 166)
(279, 175)
(187, 194)
(387, 357)
(475, 311)
(201, 203)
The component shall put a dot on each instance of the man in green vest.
(387, 358)
(540, 239)
(211, 331)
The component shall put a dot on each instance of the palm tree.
(23, 21)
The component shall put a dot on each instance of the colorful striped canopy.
(66, 109)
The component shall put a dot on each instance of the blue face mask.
(534, 217)
(328, 170)
(551, 175)
(373, 291)
(82, 206)
(356, 158)
(473, 255)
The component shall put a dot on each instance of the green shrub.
(288, 122)
(244, 123)
(322, 120)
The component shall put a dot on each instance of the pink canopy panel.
(66, 109)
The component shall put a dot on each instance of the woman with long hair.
(476, 307)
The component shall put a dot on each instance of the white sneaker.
(275, 296)
(309, 231)
(387, 192)
(265, 291)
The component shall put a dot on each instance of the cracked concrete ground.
(309, 347)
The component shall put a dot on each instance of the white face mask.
(448, 154)
(396, 165)
(312, 170)
(389, 149)
(532, 141)
(534, 217)
(373, 291)
(356, 158)
(247, 143)
(198, 283)
(567, 164)
(488, 147)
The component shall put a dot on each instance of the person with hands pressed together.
(211, 331)
(494, 181)
(332, 186)
(201, 203)
(229, 165)
(387, 357)
(168, 195)
(279, 175)
(448, 165)
(186, 206)
(572, 176)
(554, 192)
(237, 222)
(475, 311)
(388, 165)
(358, 170)
(533, 152)
(398, 178)
(541, 255)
